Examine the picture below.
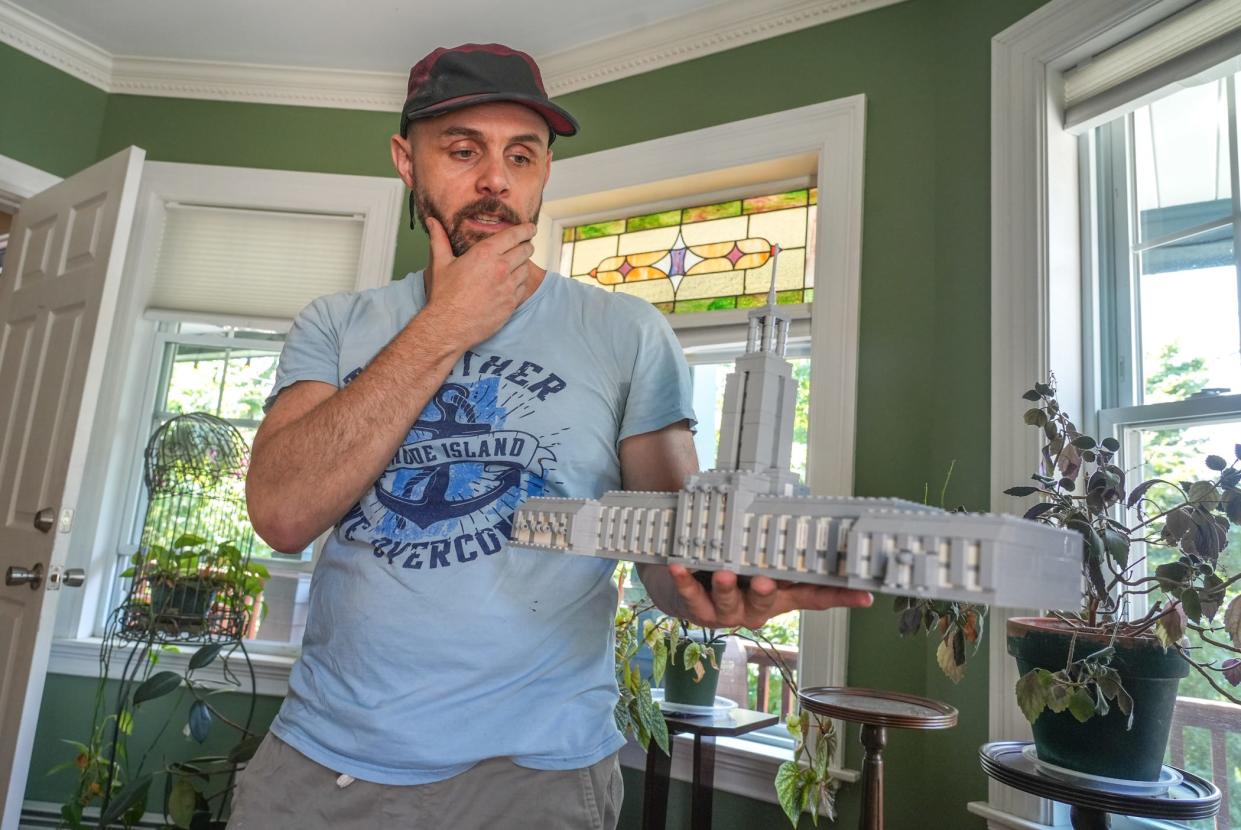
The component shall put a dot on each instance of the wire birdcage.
(196, 538)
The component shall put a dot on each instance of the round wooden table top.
(877, 707)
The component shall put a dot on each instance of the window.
(1169, 340)
(816, 147)
(763, 685)
(699, 259)
(220, 258)
(702, 258)
(1056, 75)
(225, 371)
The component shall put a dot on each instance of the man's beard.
(460, 238)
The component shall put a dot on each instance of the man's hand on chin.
(728, 606)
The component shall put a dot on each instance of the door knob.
(29, 576)
(69, 577)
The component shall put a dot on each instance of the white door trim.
(1036, 266)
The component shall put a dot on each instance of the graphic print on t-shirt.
(448, 496)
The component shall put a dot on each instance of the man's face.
(477, 170)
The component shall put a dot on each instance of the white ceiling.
(367, 35)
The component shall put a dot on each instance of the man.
(447, 680)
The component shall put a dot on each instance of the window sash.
(153, 412)
(1113, 356)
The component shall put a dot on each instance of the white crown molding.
(258, 84)
(29, 33)
(727, 26)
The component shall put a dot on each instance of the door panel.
(58, 295)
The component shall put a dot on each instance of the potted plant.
(190, 577)
(692, 656)
(1099, 682)
(190, 786)
(803, 784)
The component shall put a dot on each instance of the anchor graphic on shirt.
(454, 438)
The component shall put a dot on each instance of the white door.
(58, 294)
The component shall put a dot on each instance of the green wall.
(47, 119)
(924, 66)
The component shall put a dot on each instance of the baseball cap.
(477, 73)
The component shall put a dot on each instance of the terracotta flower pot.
(1102, 745)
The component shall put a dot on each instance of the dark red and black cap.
(476, 73)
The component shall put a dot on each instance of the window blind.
(1131, 73)
(252, 263)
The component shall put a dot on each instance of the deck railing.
(1220, 720)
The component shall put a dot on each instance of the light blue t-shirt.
(430, 643)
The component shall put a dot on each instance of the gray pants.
(282, 788)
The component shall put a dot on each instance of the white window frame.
(1037, 264)
(134, 504)
(123, 426)
(826, 141)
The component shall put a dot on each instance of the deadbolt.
(30, 576)
(68, 577)
(44, 519)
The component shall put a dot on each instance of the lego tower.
(760, 400)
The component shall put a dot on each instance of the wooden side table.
(876, 710)
(705, 729)
(1093, 803)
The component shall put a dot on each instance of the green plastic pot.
(682, 686)
(1102, 745)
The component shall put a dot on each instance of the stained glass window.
(702, 258)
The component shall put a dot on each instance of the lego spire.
(769, 326)
(771, 292)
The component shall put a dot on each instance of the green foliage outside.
(1176, 456)
(232, 384)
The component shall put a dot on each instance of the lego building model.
(752, 515)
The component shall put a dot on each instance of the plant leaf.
(157, 685)
(1117, 547)
(1020, 491)
(199, 721)
(788, 790)
(1081, 705)
(1138, 492)
(1217, 463)
(136, 789)
(945, 656)
(1039, 509)
(1192, 604)
(1232, 670)
(1032, 694)
(205, 655)
(181, 801)
(822, 757)
(1232, 620)
(1170, 627)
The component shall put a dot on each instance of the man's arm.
(320, 447)
(660, 461)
